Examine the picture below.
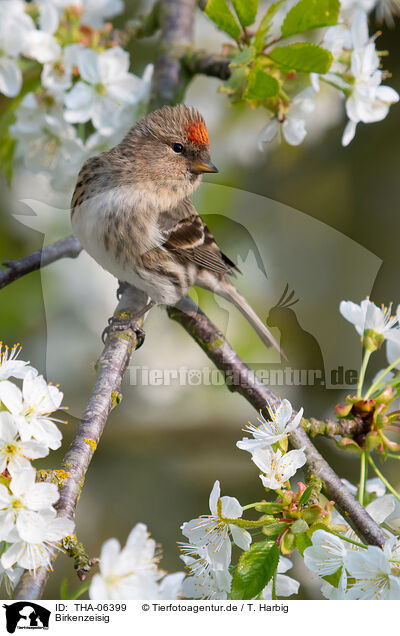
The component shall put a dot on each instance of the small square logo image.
(26, 615)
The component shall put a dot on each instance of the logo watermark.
(26, 615)
(207, 376)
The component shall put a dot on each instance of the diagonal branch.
(105, 395)
(65, 248)
(240, 379)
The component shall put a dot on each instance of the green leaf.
(243, 57)
(288, 543)
(306, 495)
(254, 570)
(265, 23)
(303, 541)
(310, 14)
(269, 507)
(261, 86)
(299, 526)
(235, 85)
(246, 11)
(219, 12)
(275, 529)
(302, 56)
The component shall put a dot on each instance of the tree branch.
(242, 380)
(170, 79)
(200, 62)
(71, 248)
(330, 428)
(66, 248)
(105, 395)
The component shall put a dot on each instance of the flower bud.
(372, 340)
(288, 543)
(343, 410)
(386, 397)
(372, 440)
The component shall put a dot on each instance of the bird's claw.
(116, 324)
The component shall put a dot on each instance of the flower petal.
(10, 77)
(240, 536)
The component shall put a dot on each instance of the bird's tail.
(226, 290)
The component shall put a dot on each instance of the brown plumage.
(132, 212)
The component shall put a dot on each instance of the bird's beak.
(198, 167)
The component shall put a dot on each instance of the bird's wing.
(190, 240)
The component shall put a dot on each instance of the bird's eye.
(178, 148)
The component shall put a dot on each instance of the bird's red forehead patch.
(197, 133)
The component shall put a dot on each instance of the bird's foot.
(116, 324)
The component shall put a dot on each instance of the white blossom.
(374, 486)
(56, 76)
(49, 16)
(293, 123)
(392, 346)
(15, 454)
(21, 504)
(271, 430)
(10, 367)
(338, 593)
(204, 581)
(367, 316)
(214, 533)
(386, 510)
(105, 86)
(372, 572)
(31, 408)
(349, 8)
(276, 466)
(326, 555)
(368, 101)
(10, 576)
(94, 12)
(284, 585)
(15, 25)
(214, 584)
(38, 534)
(392, 550)
(46, 141)
(130, 572)
(170, 587)
(41, 46)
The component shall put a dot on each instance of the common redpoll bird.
(132, 212)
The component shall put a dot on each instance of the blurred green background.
(164, 447)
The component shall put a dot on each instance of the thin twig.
(105, 395)
(201, 62)
(330, 428)
(66, 248)
(242, 380)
